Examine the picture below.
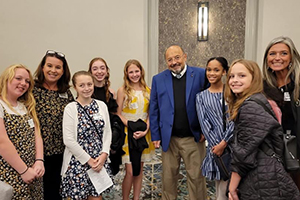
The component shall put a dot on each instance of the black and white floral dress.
(76, 183)
(22, 136)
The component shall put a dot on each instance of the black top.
(181, 126)
(118, 135)
(100, 94)
(283, 96)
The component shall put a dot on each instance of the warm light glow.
(202, 21)
(205, 22)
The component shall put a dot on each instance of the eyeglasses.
(176, 58)
(51, 52)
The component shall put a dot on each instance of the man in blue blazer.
(174, 123)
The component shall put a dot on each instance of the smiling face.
(52, 70)
(240, 78)
(19, 84)
(214, 72)
(84, 86)
(175, 59)
(279, 57)
(134, 73)
(99, 70)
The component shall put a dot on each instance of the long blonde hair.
(27, 98)
(294, 68)
(128, 89)
(234, 101)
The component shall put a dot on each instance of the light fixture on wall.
(202, 21)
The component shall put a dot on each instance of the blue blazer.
(161, 111)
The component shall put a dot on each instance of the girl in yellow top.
(133, 100)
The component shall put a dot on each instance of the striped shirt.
(210, 115)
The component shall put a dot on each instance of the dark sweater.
(136, 146)
(181, 126)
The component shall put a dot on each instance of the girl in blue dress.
(210, 115)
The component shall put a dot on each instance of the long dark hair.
(223, 63)
(63, 82)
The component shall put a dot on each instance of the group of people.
(55, 146)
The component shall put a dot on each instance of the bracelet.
(39, 159)
(24, 171)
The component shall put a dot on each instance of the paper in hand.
(100, 180)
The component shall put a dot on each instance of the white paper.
(100, 180)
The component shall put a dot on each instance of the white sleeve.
(69, 134)
(107, 135)
(1, 112)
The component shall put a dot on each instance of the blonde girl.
(21, 145)
(133, 100)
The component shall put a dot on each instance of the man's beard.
(178, 71)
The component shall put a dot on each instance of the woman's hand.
(139, 134)
(29, 176)
(219, 148)
(39, 168)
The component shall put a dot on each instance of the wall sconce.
(202, 21)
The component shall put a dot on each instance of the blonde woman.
(21, 145)
(133, 100)
(281, 70)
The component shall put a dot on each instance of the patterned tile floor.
(151, 189)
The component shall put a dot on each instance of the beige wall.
(277, 18)
(119, 30)
(115, 30)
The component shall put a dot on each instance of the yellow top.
(138, 109)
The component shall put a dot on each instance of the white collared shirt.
(181, 73)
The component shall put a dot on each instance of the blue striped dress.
(210, 115)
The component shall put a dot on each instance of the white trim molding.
(251, 29)
(153, 39)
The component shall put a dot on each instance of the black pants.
(52, 177)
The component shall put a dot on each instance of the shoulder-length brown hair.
(63, 82)
(234, 101)
(106, 79)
